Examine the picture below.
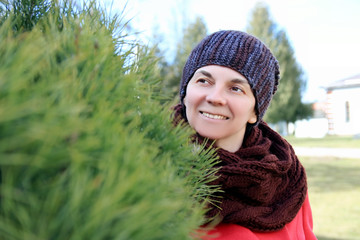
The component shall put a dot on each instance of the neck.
(230, 144)
(233, 145)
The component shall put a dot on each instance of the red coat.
(300, 228)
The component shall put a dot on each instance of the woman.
(228, 82)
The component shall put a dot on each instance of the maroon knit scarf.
(264, 183)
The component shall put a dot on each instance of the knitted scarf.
(264, 184)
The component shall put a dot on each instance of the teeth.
(213, 116)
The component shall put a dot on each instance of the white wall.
(336, 111)
(313, 128)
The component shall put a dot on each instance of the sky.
(325, 34)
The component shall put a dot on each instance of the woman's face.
(219, 103)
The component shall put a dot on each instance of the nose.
(216, 98)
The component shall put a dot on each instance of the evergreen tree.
(25, 13)
(192, 35)
(86, 151)
(286, 105)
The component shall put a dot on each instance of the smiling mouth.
(214, 116)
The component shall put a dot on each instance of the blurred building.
(342, 106)
(316, 126)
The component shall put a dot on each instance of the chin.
(209, 136)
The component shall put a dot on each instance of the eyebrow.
(235, 80)
(205, 73)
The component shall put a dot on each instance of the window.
(347, 111)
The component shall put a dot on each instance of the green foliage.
(25, 14)
(193, 34)
(86, 151)
(286, 104)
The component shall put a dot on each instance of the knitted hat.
(243, 53)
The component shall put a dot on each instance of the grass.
(334, 191)
(334, 188)
(328, 141)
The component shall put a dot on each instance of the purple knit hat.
(243, 53)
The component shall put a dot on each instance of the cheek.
(191, 102)
(190, 106)
(243, 108)
(190, 98)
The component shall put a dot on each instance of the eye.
(202, 80)
(236, 89)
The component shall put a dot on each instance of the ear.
(184, 101)
(253, 118)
